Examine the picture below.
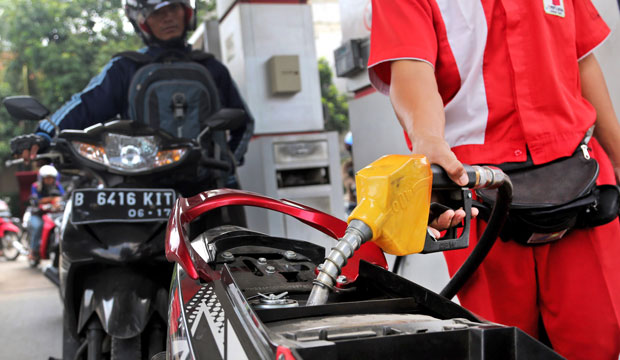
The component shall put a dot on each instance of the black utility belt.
(551, 199)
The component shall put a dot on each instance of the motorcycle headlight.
(131, 154)
(91, 152)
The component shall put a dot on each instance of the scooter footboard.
(123, 300)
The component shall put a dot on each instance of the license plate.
(121, 205)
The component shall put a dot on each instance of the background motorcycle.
(113, 275)
(51, 213)
(9, 233)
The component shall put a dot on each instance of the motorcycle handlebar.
(14, 162)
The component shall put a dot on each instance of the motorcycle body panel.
(46, 236)
(10, 238)
(7, 225)
(123, 300)
(110, 270)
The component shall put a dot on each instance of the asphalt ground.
(30, 313)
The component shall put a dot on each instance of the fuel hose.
(498, 217)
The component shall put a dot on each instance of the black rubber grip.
(441, 181)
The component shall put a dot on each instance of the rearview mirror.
(25, 108)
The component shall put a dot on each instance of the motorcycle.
(241, 294)
(51, 214)
(113, 275)
(9, 233)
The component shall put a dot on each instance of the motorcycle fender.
(8, 226)
(48, 226)
(124, 302)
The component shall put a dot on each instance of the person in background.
(46, 190)
(510, 81)
(348, 175)
(163, 27)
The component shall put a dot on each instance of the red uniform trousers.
(573, 284)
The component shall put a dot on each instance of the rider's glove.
(26, 142)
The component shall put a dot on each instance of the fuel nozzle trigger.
(450, 241)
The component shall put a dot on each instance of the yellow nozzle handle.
(393, 195)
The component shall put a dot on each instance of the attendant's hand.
(448, 219)
(437, 151)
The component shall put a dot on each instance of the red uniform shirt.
(507, 70)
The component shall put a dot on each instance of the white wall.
(250, 35)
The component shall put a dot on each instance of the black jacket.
(106, 98)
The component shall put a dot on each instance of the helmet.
(139, 10)
(348, 139)
(48, 170)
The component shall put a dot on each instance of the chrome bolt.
(227, 255)
(342, 279)
(281, 357)
(290, 255)
(270, 269)
(262, 260)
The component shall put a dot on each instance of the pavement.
(30, 313)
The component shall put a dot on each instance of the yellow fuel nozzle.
(393, 197)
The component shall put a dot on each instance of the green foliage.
(204, 9)
(51, 49)
(335, 105)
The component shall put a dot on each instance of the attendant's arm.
(607, 130)
(420, 111)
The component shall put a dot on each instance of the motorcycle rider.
(46, 190)
(163, 27)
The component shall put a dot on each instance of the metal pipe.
(356, 234)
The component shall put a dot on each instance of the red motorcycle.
(241, 294)
(9, 233)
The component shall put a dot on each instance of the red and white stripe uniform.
(507, 71)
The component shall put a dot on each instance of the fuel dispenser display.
(293, 158)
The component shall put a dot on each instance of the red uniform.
(507, 71)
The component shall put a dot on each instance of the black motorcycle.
(113, 275)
